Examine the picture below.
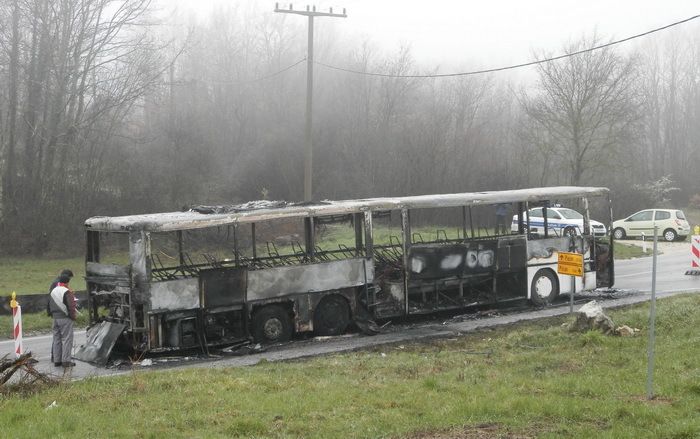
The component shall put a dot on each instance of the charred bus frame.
(153, 307)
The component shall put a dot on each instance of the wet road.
(633, 274)
(672, 263)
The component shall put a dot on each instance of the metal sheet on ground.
(100, 342)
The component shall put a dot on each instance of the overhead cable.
(248, 81)
(511, 67)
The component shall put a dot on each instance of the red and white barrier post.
(695, 253)
(16, 324)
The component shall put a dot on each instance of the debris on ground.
(19, 375)
(626, 331)
(243, 349)
(364, 322)
(333, 337)
(367, 326)
(480, 314)
(591, 317)
(605, 293)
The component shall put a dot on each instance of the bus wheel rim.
(273, 328)
(543, 287)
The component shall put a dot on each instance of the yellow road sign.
(571, 264)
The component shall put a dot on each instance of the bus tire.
(332, 315)
(544, 287)
(272, 324)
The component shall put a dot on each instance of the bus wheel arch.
(272, 324)
(544, 287)
(332, 315)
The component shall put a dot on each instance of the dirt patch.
(570, 367)
(656, 400)
(481, 431)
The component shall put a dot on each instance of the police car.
(560, 221)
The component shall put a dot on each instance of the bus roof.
(265, 210)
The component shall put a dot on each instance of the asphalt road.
(671, 265)
(633, 274)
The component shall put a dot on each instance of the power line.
(511, 67)
(249, 81)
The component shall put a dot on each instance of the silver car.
(671, 224)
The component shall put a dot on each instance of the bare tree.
(670, 92)
(85, 64)
(584, 108)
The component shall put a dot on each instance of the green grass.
(534, 379)
(36, 323)
(34, 275)
(628, 251)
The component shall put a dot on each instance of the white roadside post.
(652, 321)
(644, 243)
(16, 324)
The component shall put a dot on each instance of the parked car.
(671, 223)
(560, 221)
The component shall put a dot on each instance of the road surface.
(633, 274)
(672, 263)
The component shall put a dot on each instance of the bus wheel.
(332, 315)
(544, 287)
(272, 324)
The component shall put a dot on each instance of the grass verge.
(36, 323)
(629, 251)
(26, 275)
(532, 379)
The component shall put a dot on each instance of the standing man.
(501, 218)
(64, 272)
(62, 308)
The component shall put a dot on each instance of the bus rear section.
(469, 260)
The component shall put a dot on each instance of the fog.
(451, 33)
(116, 107)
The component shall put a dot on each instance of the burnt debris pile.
(19, 375)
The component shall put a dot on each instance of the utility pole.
(308, 152)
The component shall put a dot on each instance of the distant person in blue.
(502, 223)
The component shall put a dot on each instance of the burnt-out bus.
(265, 270)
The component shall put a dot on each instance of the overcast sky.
(453, 33)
